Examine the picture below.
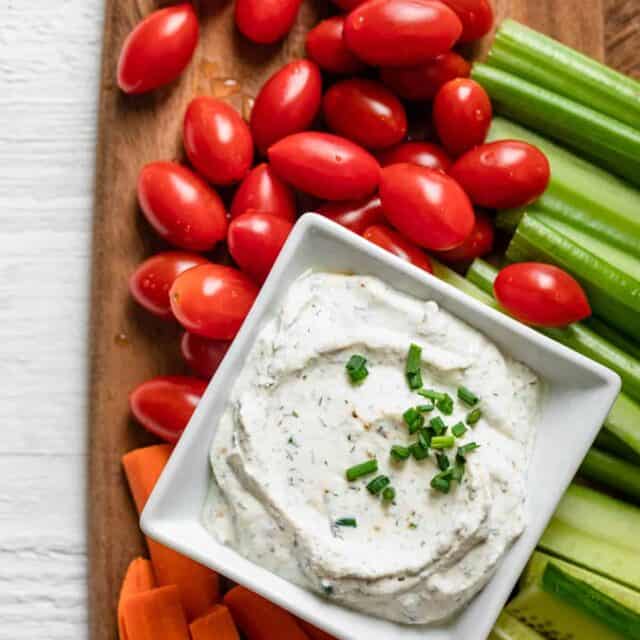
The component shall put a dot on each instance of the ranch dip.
(296, 422)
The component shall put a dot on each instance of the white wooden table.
(49, 60)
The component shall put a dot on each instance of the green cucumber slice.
(556, 619)
(596, 604)
(597, 532)
(538, 563)
(509, 628)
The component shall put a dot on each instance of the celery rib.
(605, 140)
(554, 66)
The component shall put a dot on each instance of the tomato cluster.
(341, 144)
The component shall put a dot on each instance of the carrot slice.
(313, 632)
(155, 614)
(199, 586)
(143, 468)
(138, 578)
(215, 625)
(260, 619)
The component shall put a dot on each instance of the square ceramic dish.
(578, 396)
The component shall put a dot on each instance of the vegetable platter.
(130, 345)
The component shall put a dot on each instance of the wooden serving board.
(128, 345)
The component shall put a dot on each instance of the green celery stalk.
(609, 442)
(622, 342)
(461, 283)
(608, 142)
(554, 66)
(614, 293)
(624, 418)
(612, 472)
(580, 193)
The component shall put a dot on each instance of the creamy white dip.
(295, 423)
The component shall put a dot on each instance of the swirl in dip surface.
(295, 423)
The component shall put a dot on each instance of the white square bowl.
(578, 396)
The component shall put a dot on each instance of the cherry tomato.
(326, 47)
(266, 21)
(503, 174)
(262, 190)
(401, 33)
(479, 242)
(158, 49)
(541, 294)
(165, 405)
(325, 166)
(217, 141)
(390, 240)
(255, 240)
(355, 215)
(203, 355)
(424, 154)
(149, 284)
(287, 103)
(476, 17)
(365, 112)
(462, 115)
(423, 81)
(212, 300)
(426, 206)
(181, 207)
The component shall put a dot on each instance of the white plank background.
(49, 60)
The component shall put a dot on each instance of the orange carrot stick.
(313, 632)
(143, 468)
(154, 615)
(215, 625)
(260, 619)
(199, 586)
(138, 578)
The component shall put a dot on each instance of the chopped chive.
(442, 482)
(459, 430)
(400, 453)
(424, 408)
(445, 405)
(362, 469)
(474, 416)
(357, 368)
(461, 455)
(418, 451)
(328, 589)
(412, 369)
(414, 419)
(458, 471)
(438, 425)
(468, 397)
(414, 380)
(442, 442)
(431, 394)
(378, 484)
(346, 522)
(443, 461)
(388, 494)
(424, 438)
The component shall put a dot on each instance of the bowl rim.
(164, 519)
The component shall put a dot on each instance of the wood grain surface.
(128, 345)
